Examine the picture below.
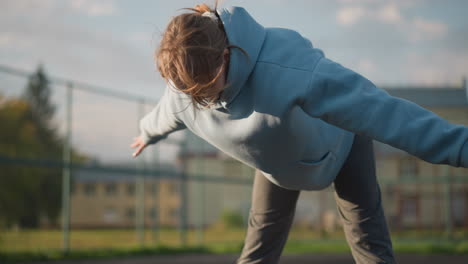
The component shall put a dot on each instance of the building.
(109, 199)
(415, 193)
(418, 194)
(216, 182)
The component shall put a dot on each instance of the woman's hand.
(139, 145)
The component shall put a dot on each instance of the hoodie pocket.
(315, 174)
(317, 162)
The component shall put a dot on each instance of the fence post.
(183, 195)
(246, 173)
(156, 204)
(465, 87)
(66, 170)
(448, 202)
(140, 189)
(201, 193)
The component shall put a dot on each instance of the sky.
(111, 43)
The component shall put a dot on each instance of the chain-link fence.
(84, 191)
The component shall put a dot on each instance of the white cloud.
(15, 40)
(90, 54)
(366, 66)
(432, 29)
(25, 10)
(139, 37)
(442, 68)
(390, 14)
(6, 39)
(356, 1)
(27, 5)
(399, 2)
(350, 15)
(95, 7)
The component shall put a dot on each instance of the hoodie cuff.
(150, 140)
(463, 159)
(144, 138)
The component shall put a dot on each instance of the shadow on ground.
(298, 259)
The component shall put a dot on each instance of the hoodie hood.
(242, 31)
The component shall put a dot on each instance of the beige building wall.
(407, 203)
(208, 200)
(113, 204)
(419, 200)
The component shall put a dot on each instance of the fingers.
(139, 150)
(141, 147)
(139, 144)
(136, 142)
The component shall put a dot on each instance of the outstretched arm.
(347, 100)
(157, 124)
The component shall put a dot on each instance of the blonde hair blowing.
(191, 54)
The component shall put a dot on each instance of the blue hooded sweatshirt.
(292, 113)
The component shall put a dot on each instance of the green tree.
(38, 94)
(41, 112)
(29, 193)
(18, 184)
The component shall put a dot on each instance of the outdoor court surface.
(300, 259)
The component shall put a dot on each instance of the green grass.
(38, 240)
(37, 245)
(294, 247)
(13, 257)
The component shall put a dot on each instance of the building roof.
(195, 145)
(116, 174)
(432, 97)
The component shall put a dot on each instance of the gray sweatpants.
(359, 205)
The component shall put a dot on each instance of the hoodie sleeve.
(160, 122)
(347, 100)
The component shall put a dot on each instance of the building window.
(408, 168)
(459, 207)
(111, 189)
(232, 169)
(73, 187)
(410, 211)
(130, 213)
(153, 213)
(173, 188)
(153, 188)
(174, 213)
(110, 215)
(89, 189)
(131, 189)
(409, 208)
